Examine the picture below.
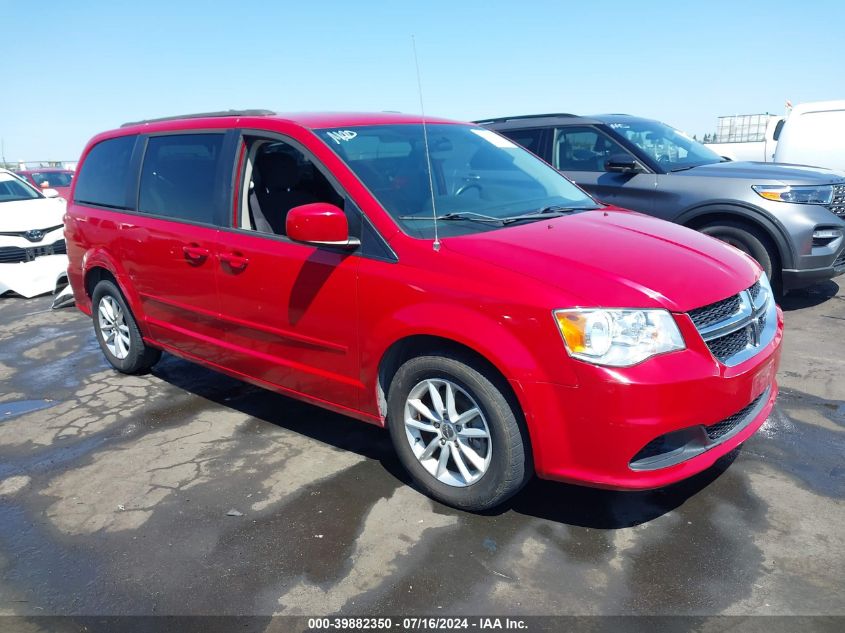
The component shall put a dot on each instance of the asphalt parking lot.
(117, 496)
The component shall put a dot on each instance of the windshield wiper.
(553, 211)
(468, 215)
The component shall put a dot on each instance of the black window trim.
(238, 182)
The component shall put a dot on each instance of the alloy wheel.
(113, 327)
(447, 432)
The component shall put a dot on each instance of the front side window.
(12, 189)
(584, 149)
(278, 178)
(104, 176)
(671, 149)
(477, 179)
(178, 177)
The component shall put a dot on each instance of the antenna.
(436, 243)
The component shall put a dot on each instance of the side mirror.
(319, 223)
(50, 193)
(623, 164)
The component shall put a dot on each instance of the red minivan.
(431, 277)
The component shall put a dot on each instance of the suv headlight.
(810, 194)
(618, 338)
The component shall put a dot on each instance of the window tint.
(178, 176)
(529, 139)
(583, 149)
(104, 175)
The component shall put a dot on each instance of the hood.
(38, 213)
(614, 258)
(763, 172)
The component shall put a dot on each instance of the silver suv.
(788, 217)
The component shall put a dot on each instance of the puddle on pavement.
(15, 408)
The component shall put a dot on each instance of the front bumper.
(793, 279)
(809, 264)
(37, 277)
(590, 434)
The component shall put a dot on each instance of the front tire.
(117, 331)
(750, 241)
(456, 433)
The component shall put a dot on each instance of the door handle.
(195, 254)
(234, 261)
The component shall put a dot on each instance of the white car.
(33, 254)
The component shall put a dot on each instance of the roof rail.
(203, 115)
(524, 116)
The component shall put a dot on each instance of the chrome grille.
(837, 205)
(736, 328)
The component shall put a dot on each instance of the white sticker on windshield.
(492, 137)
(342, 135)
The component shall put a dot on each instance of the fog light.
(823, 237)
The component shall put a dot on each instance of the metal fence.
(742, 128)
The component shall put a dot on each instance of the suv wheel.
(456, 433)
(750, 241)
(117, 332)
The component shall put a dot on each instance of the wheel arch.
(97, 266)
(414, 345)
(700, 216)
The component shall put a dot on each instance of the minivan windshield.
(670, 148)
(479, 180)
(12, 189)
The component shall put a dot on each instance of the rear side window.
(179, 175)
(104, 176)
(529, 139)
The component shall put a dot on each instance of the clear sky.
(72, 69)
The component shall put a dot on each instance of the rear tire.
(117, 331)
(471, 454)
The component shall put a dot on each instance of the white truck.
(751, 137)
(814, 134)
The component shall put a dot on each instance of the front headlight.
(618, 338)
(810, 194)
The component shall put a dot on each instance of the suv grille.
(837, 205)
(736, 327)
(16, 255)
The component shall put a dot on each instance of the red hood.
(614, 258)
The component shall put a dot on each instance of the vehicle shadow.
(610, 509)
(809, 297)
(551, 501)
